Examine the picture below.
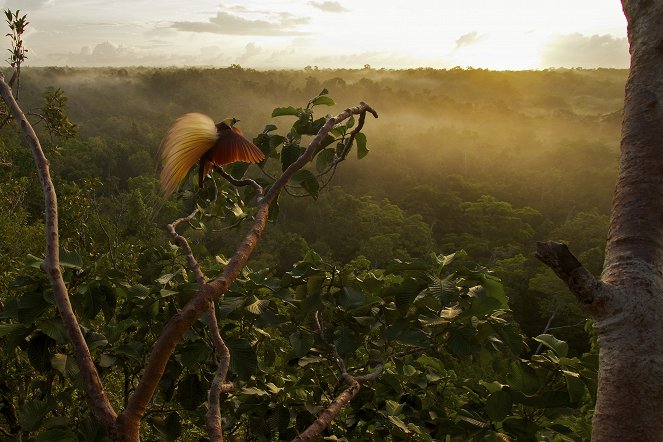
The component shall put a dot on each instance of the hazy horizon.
(268, 34)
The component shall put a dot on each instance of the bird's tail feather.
(185, 143)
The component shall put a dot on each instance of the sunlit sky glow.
(266, 34)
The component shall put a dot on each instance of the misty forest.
(394, 293)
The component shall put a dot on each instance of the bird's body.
(195, 137)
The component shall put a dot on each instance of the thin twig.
(184, 245)
(240, 183)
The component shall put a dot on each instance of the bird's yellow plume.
(185, 143)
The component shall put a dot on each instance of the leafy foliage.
(360, 261)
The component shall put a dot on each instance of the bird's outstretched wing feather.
(232, 146)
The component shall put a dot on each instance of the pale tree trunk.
(627, 303)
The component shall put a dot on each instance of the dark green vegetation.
(473, 160)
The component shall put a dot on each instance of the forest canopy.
(468, 160)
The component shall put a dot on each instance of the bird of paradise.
(195, 137)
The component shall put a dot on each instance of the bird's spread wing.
(232, 146)
(188, 139)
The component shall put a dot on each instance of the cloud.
(231, 24)
(469, 39)
(329, 6)
(109, 54)
(26, 5)
(577, 50)
(250, 51)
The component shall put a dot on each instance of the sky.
(270, 34)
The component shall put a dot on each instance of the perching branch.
(579, 280)
(240, 183)
(95, 394)
(129, 420)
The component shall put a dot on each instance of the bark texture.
(627, 304)
(629, 325)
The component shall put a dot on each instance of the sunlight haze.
(502, 35)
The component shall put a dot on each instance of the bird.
(195, 137)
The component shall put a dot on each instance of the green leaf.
(498, 405)
(362, 150)
(193, 353)
(350, 122)
(575, 386)
(522, 377)
(95, 340)
(7, 329)
(280, 111)
(168, 428)
(289, 155)
(494, 289)
(106, 360)
(351, 297)
(33, 261)
(346, 341)
(190, 392)
(39, 352)
(399, 423)
(59, 362)
(314, 284)
(258, 306)
(254, 391)
(324, 159)
(139, 291)
(560, 348)
(57, 435)
(322, 100)
(301, 342)
(243, 358)
(482, 306)
(308, 181)
(463, 342)
(32, 413)
(70, 259)
(30, 307)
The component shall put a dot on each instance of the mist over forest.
(463, 159)
(484, 161)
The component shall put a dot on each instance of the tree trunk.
(627, 304)
(630, 327)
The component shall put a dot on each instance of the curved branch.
(240, 183)
(184, 245)
(96, 397)
(219, 385)
(129, 420)
(559, 258)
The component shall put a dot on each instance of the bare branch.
(377, 371)
(579, 280)
(184, 245)
(96, 396)
(329, 413)
(129, 420)
(240, 183)
(219, 385)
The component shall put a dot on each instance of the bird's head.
(227, 123)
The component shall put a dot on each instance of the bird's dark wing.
(231, 146)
